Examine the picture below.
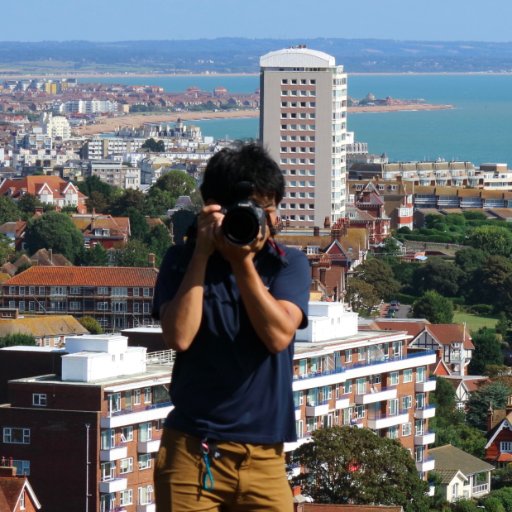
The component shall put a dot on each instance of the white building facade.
(303, 123)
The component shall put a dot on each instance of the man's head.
(244, 162)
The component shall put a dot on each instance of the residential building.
(102, 229)
(303, 123)
(117, 297)
(48, 331)
(463, 476)
(115, 173)
(48, 189)
(98, 420)
(16, 493)
(369, 378)
(56, 126)
(452, 342)
(498, 450)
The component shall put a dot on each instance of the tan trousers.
(244, 477)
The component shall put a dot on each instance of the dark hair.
(244, 161)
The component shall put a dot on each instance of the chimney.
(316, 231)
(152, 260)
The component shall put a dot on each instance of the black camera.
(244, 219)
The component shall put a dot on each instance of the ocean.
(478, 129)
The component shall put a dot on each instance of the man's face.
(268, 204)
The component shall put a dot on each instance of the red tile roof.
(11, 488)
(85, 276)
(412, 328)
(447, 334)
(33, 184)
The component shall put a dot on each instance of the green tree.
(493, 279)
(469, 439)
(9, 210)
(6, 249)
(177, 183)
(439, 275)
(54, 231)
(154, 146)
(158, 241)
(91, 324)
(361, 296)
(470, 261)
(488, 351)
(492, 503)
(434, 307)
(13, 340)
(97, 202)
(380, 276)
(27, 204)
(352, 465)
(96, 256)
(130, 198)
(495, 240)
(494, 394)
(134, 254)
(139, 228)
(157, 202)
(464, 505)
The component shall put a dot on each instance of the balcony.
(114, 485)
(298, 413)
(317, 410)
(115, 453)
(424, 438)
(364, 369)
(425, 465)
(425, 386)
(130, 417)
(380, 422)
(374, 396)
(343, 402)
(150, 507)
(425, 412)
(480, 489)
(150, 446)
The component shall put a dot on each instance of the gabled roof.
(11, 488)
(449, 457)
(412, 328)
(446, 334)
(505, 423)
(447, 475)
(42, 325)
(85, 276)
(33, 184)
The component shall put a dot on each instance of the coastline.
(111, 124)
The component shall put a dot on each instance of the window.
(406, 402)
(145, 433)
(102, 306)
(359, 412)
(127, 434)
(147, 395)
(102, 290)
(75, 290)
(22, 500)
(22, 290)
(14, 435)
(420, 374)
(126, 497)
(74, 305)
(42, 290)
(406, 429)
(146, 292)
(114, 402)
(108, 439)
(145, 461)
(393, 379)
(506, 446)
(31, 290)
(136, 292)
(146, 495)
(361, 353)
(136, 396)
(22, 467)
(393, 432)
(108, 471)
(126, 465)
(39, 399)
(146, 308)
(119, 292)
(407, 376)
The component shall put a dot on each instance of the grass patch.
(474, 322)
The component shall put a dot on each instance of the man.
(230, 311)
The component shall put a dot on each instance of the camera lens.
(241, 226)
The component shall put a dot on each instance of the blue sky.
(118, 20)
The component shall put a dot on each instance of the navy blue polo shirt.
(227, 386)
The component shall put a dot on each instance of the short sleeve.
(293, 282)
(169, 277)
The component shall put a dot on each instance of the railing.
(480, 488)
(161, 357)
(386, 360)
(130, 410)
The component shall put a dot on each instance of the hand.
(235, 253)
(209, 221)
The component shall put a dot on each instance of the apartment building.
(87, 436)
(364, 379)
(303, 123)
(114, 173)
(117, 297)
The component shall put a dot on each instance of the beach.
(111, 124)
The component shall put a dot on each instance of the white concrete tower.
(303, 123)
